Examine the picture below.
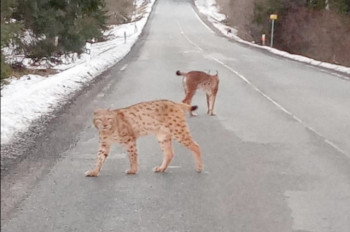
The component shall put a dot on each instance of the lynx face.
(165, 119)
(104, 120)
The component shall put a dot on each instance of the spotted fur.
(200, 80)
(165, 119)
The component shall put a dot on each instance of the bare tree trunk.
(327, 4)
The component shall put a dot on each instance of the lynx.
(200, 80)
(165, 119)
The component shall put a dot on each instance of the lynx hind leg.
(185, 139)
(131, 149)
(211, 102)
(164, 141)
(101, 157)
(208, 105)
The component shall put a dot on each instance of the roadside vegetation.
(49, 30)
(319, 29)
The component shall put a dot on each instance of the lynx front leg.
(208, 105)
(131, 148)
(101, 157)
(188, 100)
(167, 149)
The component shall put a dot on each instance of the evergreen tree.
(61, 26)
(341, 6)
(11, 31)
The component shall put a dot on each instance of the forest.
(318, 29)
(48, 29)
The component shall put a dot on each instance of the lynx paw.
(194, 114)
(91, 174)
(199, 168)
(130, 171)
(159, 169)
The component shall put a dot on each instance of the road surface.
(276, 156)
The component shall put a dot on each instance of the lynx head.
(105, 120)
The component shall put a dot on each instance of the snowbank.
(26, 99)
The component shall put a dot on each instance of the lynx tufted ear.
(119, 116)
(97, 111)
(101, 111)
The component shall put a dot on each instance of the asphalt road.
(276, 156)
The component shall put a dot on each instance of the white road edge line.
(174, 166)
(279, 106)
(124, 67)
(190, 41)
(195, 13)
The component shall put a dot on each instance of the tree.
(11, 32)
(60, 26)
(341, 6)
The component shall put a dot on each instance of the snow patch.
(26, 99)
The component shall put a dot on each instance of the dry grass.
(322, 35)
(119, 11)
(123, 11)
(18, 71)
(239, 14)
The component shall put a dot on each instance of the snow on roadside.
(26, 99)
(210, 9)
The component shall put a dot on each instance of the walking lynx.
(200, 80)
(165, 119)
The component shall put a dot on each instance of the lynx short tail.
(193, 108)
(188, 107)
(180, 73)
